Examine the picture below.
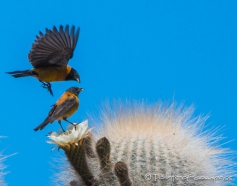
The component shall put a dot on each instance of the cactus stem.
(103, 150)
(121, 171)
(88, 143)
(77, 157)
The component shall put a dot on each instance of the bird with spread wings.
(49, 56)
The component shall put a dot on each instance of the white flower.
(72, 135)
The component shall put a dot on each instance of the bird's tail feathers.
(22, 73)
(42, 125)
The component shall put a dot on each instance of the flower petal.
(73, 134)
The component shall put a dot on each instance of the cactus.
(136, 144)
(3, 172)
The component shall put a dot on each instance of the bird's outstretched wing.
(60, 110)
(54, 48)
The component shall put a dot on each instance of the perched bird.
(63, 108)
(49, 56)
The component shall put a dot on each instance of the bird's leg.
(44, 85)
(49, 89)
(69, 122)
(47, 86)
(59, 122)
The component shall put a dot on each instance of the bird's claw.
(44, 85)
(48, 87)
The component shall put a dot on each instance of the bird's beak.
(82, 89)
(78, 80)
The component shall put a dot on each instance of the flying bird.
(63, 108)
(49, 56)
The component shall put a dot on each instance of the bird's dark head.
(73, 75)
(75, 90)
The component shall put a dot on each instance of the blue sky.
(152, 50)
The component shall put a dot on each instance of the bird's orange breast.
(72, 110)
(52, 73)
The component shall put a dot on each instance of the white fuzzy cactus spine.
(154, 142)
(3, 172)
